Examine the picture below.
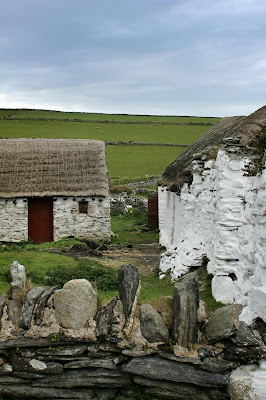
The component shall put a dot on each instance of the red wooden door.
(153, 212)
(40, 219)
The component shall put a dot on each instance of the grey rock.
(40, 392)
(152, 325)
(66, 351)
(128, 283)
(32, 297)
(18, 279)
(5, 369)
(86, 378)
(245, 336)
(244, 354)
(181, 388)
(104, 319)
(156, 368)
(185, 308)
(24, 342)
(215, 364)
(39, 311)
(3, 300)
(90, 363)
(222, 323)
(36, 366)
(75, 304)
(14, 310)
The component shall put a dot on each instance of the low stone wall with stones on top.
(57, 344)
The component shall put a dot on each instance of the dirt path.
(146, 257)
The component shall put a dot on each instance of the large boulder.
(75, 304)
(185, 308)
(152, 325)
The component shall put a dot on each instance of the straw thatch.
(246, 128)
(52, 167)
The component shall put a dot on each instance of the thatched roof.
(52, 167)
(246, 128)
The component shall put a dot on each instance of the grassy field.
(59, 115)
(127, 161)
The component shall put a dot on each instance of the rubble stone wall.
(221, 215)
(68, 221)
(14, 220)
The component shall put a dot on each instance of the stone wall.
(68, 221)
(220, 216)
(57, 344)
(14, 220)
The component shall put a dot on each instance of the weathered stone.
(205, 352)
(14, 310)
(32, 297)
(65, 351)
(86, 378)
(222, 323)
(34, 365)
(90, 363)
(18, 279)
(185, 307)
(104, 319)
(40, 392)
(165, 394)
(3, 300)
(215, 364)
(245, 336)
(181, 388)
(5, 369)
(119, 320)
(24, 342)
(152, 325)
(156, 368)
(128, 283)
(39, 311)
(75, 304)
(245, 354)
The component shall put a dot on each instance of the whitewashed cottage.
(212, 206)
(53, 188)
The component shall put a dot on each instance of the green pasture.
(175, 134)
(35, 114)
(137, 161)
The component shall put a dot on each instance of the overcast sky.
(182, 57)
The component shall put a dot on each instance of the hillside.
(130, 150)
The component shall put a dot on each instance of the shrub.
(102, 277)
(122, 189)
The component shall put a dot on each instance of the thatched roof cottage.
(212, 202)
(53, 188)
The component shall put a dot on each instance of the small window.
(83, 207)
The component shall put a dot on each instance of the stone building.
(212, 202)
(53, 188)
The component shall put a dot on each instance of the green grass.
(59, 115)
(37, 264)
(176, 134)
(132, 229)
(138, 161)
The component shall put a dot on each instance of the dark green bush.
(103, 278)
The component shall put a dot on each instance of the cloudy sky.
(172, 57)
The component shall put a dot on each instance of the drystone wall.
(220, 217)
(68, 221)
(56, 344)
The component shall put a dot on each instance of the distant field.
(178, 134)
(138, 161)
(108, 117)
(124, 161)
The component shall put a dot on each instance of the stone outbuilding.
(53, 188)
(212, 205)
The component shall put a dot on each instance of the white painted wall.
(222, 215)
(67, 220)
